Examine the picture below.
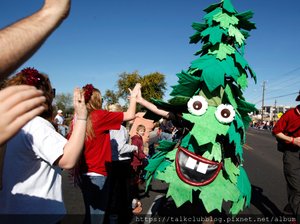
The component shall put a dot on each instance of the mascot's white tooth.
(202, 167)
(191, 163)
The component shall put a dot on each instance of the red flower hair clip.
(88, 91)
(33, 77)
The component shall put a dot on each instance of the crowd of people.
(263, 125)
(108, 166)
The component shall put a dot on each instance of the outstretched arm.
(150, 106)
(19, 41)
(74, 146)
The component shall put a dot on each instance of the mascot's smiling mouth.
(195, 170)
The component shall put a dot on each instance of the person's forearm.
(20, 40)
(73, 148)
(130, 113)
(284, 137)
(150, 106)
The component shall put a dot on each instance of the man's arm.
(288, 139)
(19, 41)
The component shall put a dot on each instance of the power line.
(263, 101)
(288, 84)
(275, 97)
(286, 76)
(286, 80)
(282, 96)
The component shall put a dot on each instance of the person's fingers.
(81, 96)
(25, 106)
(14, 126)
(8, 91)
(19, 96)
(77, 97)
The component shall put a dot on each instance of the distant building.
(270, 112)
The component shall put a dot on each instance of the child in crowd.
(138, 163)
(119, 201)
(97, 155)
(36, 155)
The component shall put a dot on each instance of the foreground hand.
(18, 105)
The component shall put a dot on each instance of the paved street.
(263, 164)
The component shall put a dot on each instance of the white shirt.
(59, 119)
(121, 150)
(31, 184)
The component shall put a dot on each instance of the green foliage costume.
(209, 102)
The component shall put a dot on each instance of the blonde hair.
(94, 103)
(114, 107)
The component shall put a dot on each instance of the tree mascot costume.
(208, 104)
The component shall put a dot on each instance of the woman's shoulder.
(38, 122)
(102, 113)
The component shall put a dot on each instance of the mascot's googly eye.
(197, 105)
(225, 113)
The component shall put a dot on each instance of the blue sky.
(102, 39)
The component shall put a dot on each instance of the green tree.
(110, 96)
(64, 102)
(153, 84)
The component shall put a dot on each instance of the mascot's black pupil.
(225, 113)
(197, 105)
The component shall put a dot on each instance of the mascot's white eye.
(197, 105)
(225, 113)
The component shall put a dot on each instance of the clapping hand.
(79, 105)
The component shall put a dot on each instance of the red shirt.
(289, 123)
(97, 153)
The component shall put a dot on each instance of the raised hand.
(135, 91)
(79, 105)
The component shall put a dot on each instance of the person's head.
(92, 97)
(140, 130)
(93, 101)
(115, 107)
(60, 112)
(298, 97)
(32, 77)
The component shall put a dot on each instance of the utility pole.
(263, 101)
(275, 110)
